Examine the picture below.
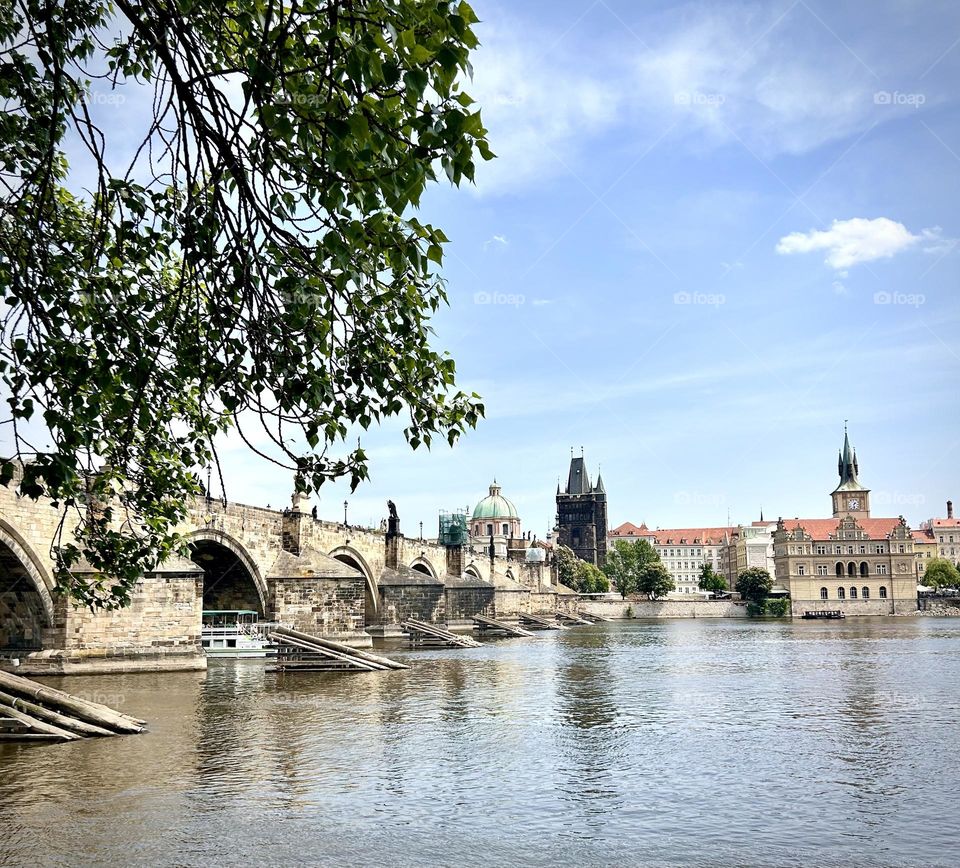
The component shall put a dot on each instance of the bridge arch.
(422, 565)
(352, 558)
(231, 577)
(26, 607)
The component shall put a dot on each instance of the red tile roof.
(945, 522)
(923, 534)
(672, 536)
(628, 529)
(692, 535)
(826, 528)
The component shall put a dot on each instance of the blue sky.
(651, 154)
(714, 232)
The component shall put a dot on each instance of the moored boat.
(234, 633)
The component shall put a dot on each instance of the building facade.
(853, 562)
(683, 551)
(582, 514)
(748, 546)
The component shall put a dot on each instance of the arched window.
(841, 594)
(506, 530)
(823, 593)
(883, 592)
(864, 569)
(851, 569)
(839, 568)
(865, 592)
(489, 530)
(853, 593)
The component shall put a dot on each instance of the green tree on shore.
(257, 270)
(710, 580)
(625, 562)
(940, 573)
(655, 581)
(754, 585)
(583, 577)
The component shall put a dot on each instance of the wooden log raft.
(296, 650)
(422, 633)
(34, 711)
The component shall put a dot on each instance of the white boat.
(234, 633)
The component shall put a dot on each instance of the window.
(821, 550)
(902, 549)
(881, 569)
(865, 592)
(576, 534)
(883, 592)
(838, 550)
(841, 594)
(849, 550)
(864, 569)
(839, 568)
(823, 593)
(506, 530)
(863, 550)
(821, 570)
(801, 570)
(853, 593)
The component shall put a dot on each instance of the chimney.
(949, 509)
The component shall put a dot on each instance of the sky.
(713, 233)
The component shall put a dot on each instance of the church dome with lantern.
(495, 516)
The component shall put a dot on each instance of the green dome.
(495, 505)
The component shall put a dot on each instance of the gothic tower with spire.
(582, 514)
(849, 497)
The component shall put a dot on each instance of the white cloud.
(502, 240)
(774, 80)
(860, 239)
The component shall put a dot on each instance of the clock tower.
(849, 497)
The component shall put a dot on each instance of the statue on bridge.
(393, 524)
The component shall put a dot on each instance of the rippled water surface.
(675, 742)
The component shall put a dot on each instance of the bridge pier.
(159, 630)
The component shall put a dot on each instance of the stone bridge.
(317, 576)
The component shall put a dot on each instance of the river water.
(687, 742)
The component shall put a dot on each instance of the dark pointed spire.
(578, 481)
(599, 486)
(848, 468)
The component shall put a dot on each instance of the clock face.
(854, 504)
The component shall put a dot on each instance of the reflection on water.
(668, 742)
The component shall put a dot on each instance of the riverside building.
(853, 562)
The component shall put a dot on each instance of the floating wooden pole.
(83, 713)
(484, 624)
(35, 725)
(422, 633)
(595, 619)
(382, 662)
(536, 622)
(573, 619)
(69, 723)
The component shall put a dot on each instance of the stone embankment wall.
(940, 606)
(665, 608)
